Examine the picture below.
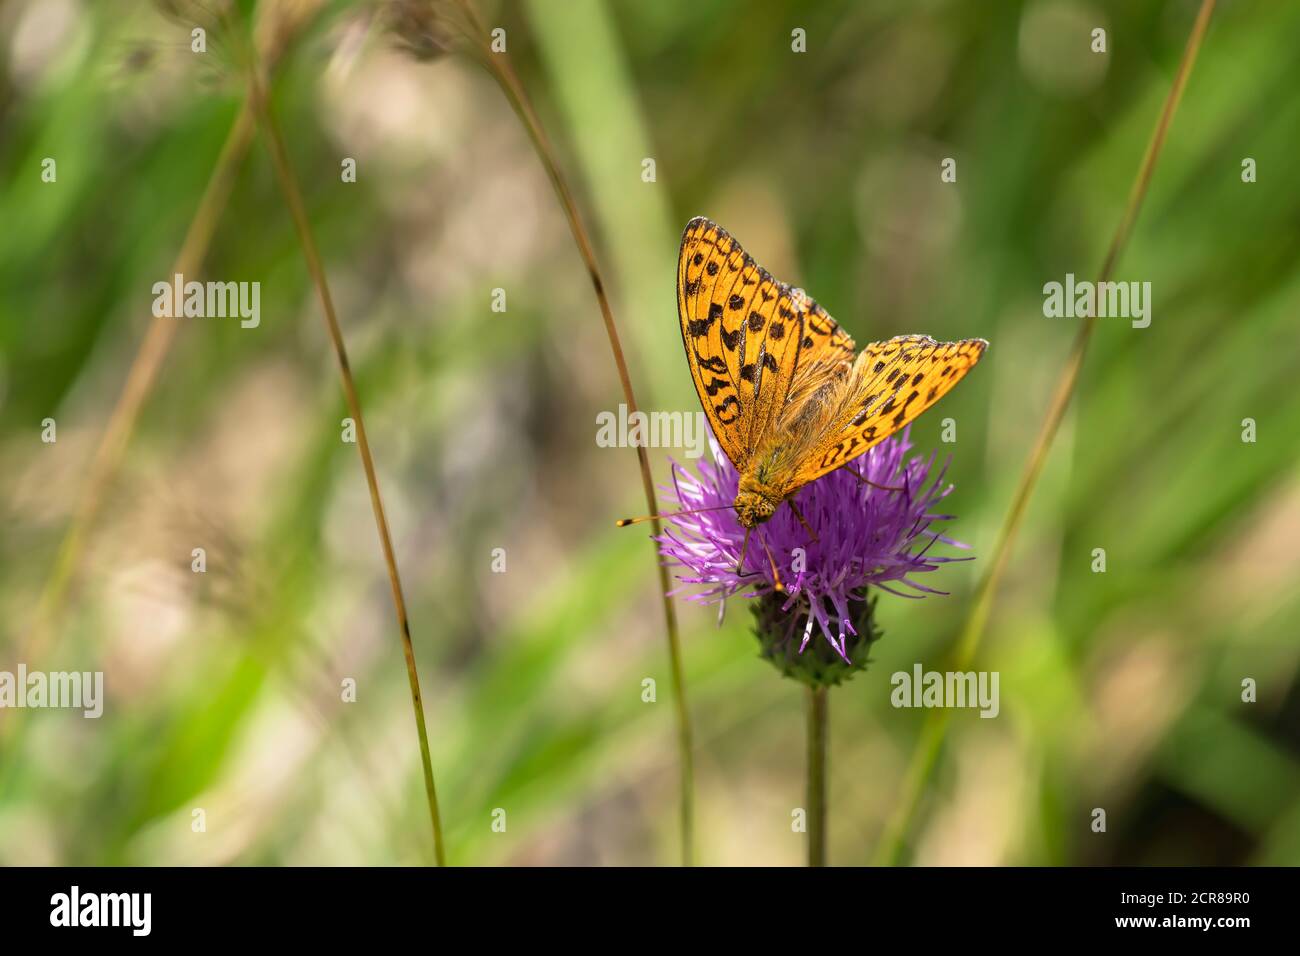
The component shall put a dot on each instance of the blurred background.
(1120, 690)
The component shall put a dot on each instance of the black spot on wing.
(728, 410)
(716, 385)
(713, 363)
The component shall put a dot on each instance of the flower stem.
(934, 730)
(298, 211)
(815, 797)
(498, 64)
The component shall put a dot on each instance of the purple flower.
(864, 537)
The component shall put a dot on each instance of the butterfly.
(788, 395)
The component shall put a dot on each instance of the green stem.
(818, 720)
(498, 65)
(298, 212)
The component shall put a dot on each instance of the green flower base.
(819, 665)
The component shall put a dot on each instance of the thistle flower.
(862, 537)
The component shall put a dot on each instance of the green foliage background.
(1119, 690)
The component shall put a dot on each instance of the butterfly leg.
(776, 575)
(740, 564)
(852, 470)
(802, 520)
(744, 546)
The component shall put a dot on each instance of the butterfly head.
(755, 504)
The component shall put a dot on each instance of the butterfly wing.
(891, 384)
(742, 331)
(825, 355)
(763, 354)
(824, 341)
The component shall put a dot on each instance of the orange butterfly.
(788, 398)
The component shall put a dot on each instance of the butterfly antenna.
(858, 475)
(624, 522)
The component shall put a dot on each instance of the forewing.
(742, 330)
(893, 383)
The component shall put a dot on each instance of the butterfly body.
(787, 393)
(770, 473)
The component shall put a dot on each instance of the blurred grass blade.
(143, 373)
(298, 211)
(498, 64)
(140, 381)
(935, 727)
